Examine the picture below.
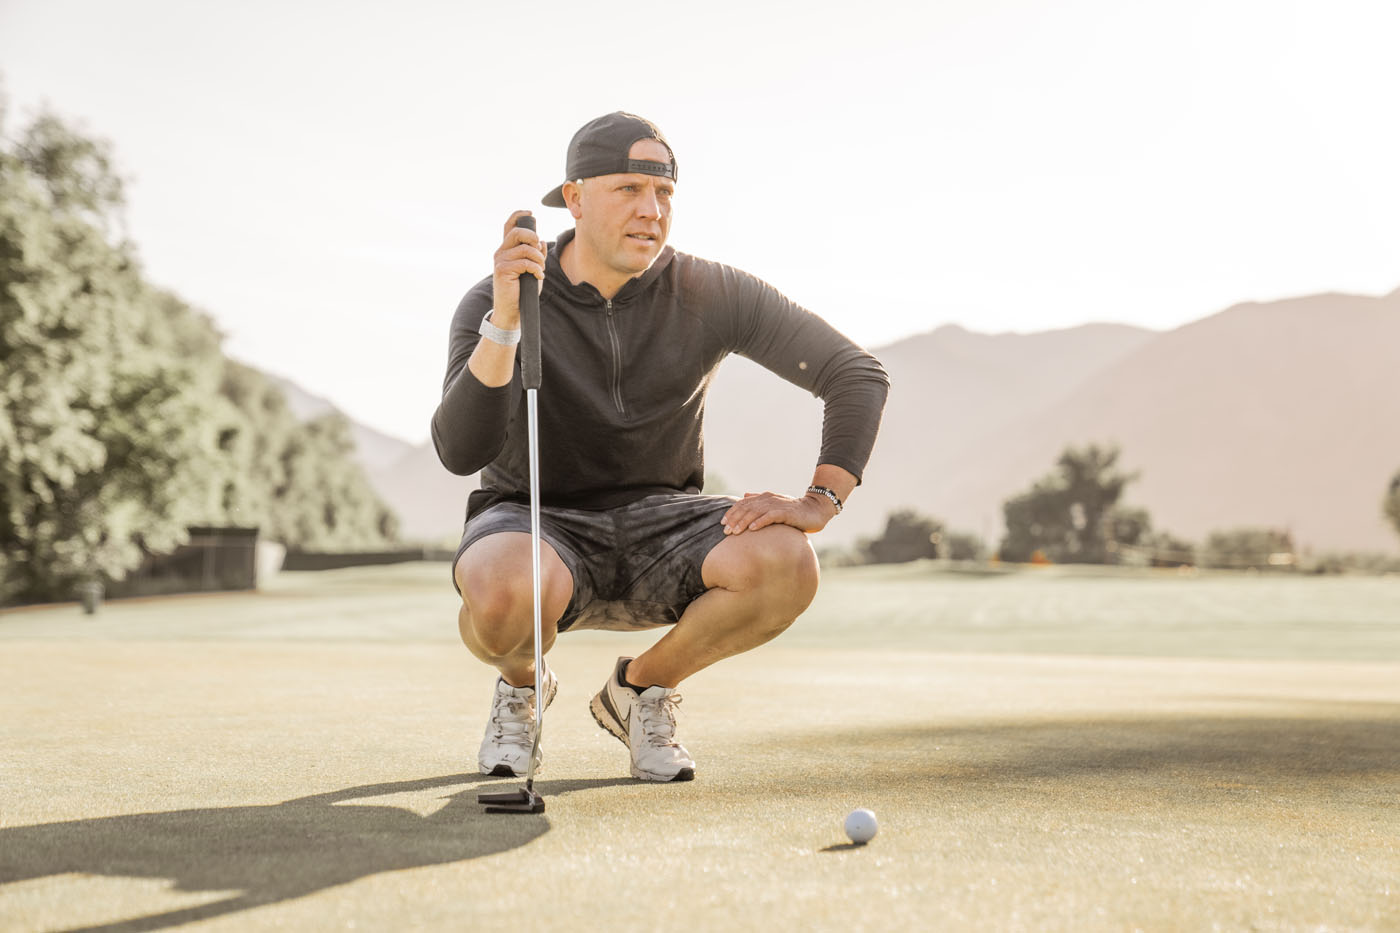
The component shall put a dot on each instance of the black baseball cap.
(600, 148)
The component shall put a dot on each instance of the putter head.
(524, 800)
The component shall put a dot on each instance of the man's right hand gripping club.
(522, 252)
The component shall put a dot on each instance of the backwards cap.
(600, 147)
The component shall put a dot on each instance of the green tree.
(1125, 529)
(122, 422)
(1036, 520)
(325, 502)
(1391, 504)
(105, 434)
(1163, 549)
(907, 536)
(298, 482)
(1072, 515)
(1250, 549)
(77, 171)
(959, 545)
(258, 492)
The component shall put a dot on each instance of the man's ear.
(573, 198)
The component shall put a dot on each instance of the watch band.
(506, 338)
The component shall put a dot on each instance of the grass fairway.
(1045, 750)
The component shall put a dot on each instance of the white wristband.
(506, 338)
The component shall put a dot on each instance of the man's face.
(625, 219)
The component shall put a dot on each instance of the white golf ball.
(861, 826)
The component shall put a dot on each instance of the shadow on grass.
(843, 847)
(277, 852)
(1237, 771)
(1321, 750)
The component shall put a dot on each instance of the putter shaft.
(532, 417)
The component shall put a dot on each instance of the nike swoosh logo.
(612, 709)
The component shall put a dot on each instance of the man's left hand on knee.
(809, 513)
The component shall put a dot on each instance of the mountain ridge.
(1278, 413)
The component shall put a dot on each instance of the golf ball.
(861, 826)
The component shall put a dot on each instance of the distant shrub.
(1250, 549)
(959, 545)
(910, 536)
(1390, 505)
(907, 536)
(1360, 562)
(1166, 550)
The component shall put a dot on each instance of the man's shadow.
(276, 852)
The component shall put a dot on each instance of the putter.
(526, 800)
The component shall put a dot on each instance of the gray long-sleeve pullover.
(622, 396)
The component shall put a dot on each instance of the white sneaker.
(646, 724)
(510, 732)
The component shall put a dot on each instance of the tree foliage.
(911, 536)
(1163, 549)
(1249, 549)
(907, 536)
(1072, 515)
(76, 171)
(105, 431)
(960, 545)
(298, 482)
(122, 423)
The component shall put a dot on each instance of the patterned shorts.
(634, 567)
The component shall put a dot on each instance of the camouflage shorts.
(634, 567)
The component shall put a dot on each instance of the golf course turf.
(1045, 749)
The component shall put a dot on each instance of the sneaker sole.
(606, 717)
(505, 770)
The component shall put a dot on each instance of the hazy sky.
(327, 179)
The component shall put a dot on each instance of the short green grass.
(1049, 749)
(922, 606)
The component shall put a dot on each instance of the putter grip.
(529, 320)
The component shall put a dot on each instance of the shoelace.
(512, 720)
(658, 717)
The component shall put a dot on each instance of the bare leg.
(496, 620)
(760, 581)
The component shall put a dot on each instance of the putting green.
(1044, 752)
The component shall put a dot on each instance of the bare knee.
(788, 556)
(497, 614)
(793, 569)
(775, 565)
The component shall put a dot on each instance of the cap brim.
(555, 198)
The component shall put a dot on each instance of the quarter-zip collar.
(586, 294)
(615, 345)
